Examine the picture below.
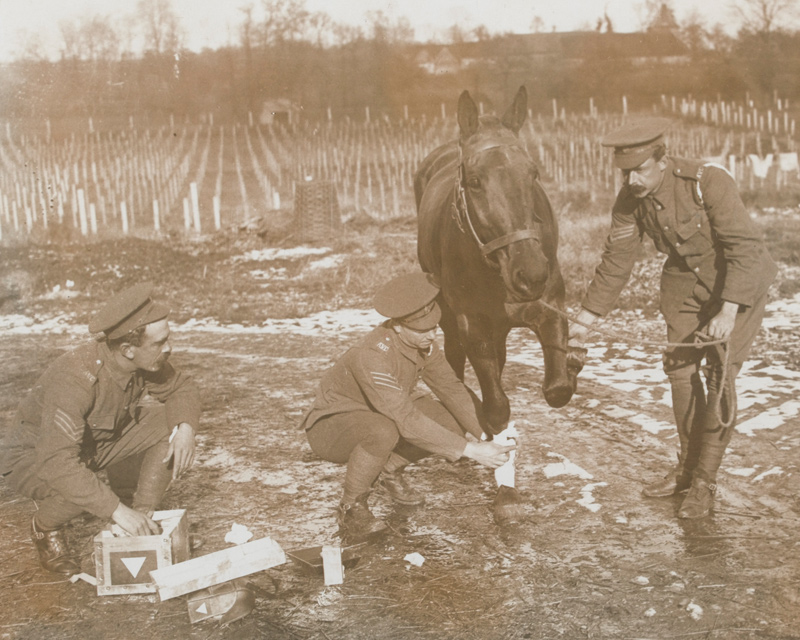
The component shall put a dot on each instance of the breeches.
(134, 462)
(334, 437)
(693, 315)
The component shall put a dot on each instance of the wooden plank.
(217, 567)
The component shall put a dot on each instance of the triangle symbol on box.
(134, 565)
(202, 608)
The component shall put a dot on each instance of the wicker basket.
(316, 210)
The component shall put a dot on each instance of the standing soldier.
(113, 404)
(713, 285)
(368, 414)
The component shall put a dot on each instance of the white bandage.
(505, 474)
(174, 433)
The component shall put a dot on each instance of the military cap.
(128, 310)
(635, 141)
(410, 299)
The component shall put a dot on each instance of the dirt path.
(593, 560)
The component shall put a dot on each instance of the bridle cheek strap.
(461, 215)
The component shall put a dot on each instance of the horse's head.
(500, 201)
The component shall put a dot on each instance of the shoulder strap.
(698, 192)
(700, 170)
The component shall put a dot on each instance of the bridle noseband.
(464, 222)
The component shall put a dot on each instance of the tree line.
(328, 69)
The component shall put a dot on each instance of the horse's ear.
(518, 111)
(467, 114)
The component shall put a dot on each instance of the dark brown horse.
(487, 230)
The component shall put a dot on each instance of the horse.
(487, 231)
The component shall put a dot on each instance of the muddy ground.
(593, 559)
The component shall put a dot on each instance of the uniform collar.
(664, 196)
(117, 373)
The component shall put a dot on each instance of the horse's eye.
(474, 182)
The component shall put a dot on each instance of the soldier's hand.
(181, 450)
(489, 454)
(721, 325)
(134, 522)
(579, 331)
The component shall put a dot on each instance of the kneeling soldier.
(91, 410)
(368, 415)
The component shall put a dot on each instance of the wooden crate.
(123, 563)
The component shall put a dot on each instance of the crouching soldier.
(369, 416)
(114, 404)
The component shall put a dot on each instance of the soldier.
(114, 404)
(714, 282)
(368, 415)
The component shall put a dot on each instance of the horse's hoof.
(558, 396)
(509, 507)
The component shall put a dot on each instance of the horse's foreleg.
(453, 349)
(480, 339)
(561, 364)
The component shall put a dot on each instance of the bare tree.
(537, 25)
(388, 31)
(694, 34)
(70, 34)
(765, 16)
(656, 13)
(160, 23)
(320, 28)
(456, 34)
(100, 42)
(481, 33)
(89, 39)
(345, 34)
(285, 20)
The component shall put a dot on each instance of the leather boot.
(400, 490)
(53, 550)
(699, 501)
(677, 480)
(356, 520)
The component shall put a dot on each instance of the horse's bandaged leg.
(505, 475)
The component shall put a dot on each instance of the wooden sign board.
(215, 568)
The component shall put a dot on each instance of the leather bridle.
(464, 222)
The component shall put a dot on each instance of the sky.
(213, 23)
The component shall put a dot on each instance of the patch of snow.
(564, 468)
(774, 471)
(274, 253)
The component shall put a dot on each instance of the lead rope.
(701, 341)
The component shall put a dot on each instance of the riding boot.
(700, 499)
(688, 405)
(53, 550)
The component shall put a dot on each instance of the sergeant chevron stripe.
(620, 233)
(385, 380)
(66, 424)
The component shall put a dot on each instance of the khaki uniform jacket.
(380, 374)
(84, 401)
(698, 220)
